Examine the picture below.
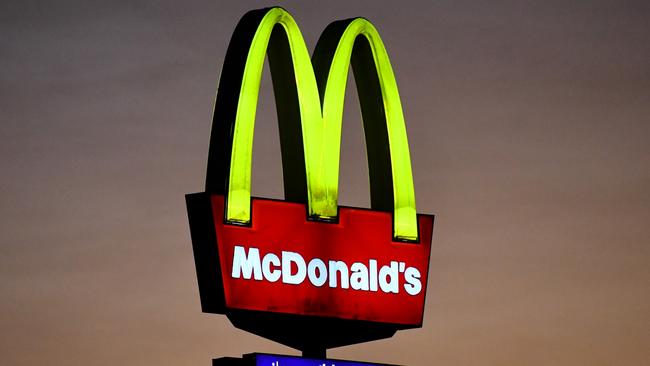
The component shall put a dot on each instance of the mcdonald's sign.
(305, 271)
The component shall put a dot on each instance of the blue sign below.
(277, 360)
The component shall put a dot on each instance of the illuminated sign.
(303, 269)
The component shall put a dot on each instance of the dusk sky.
(529, 127)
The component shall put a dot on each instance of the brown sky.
(529, 126)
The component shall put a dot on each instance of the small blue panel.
(276, 360)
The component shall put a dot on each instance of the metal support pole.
(315, 352)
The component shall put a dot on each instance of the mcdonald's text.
(291, 268)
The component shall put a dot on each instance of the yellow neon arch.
(320, 122)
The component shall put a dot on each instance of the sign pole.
(314, 352)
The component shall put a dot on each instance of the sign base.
(263, 359)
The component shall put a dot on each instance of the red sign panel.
(351, 269)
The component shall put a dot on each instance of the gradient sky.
(529, 125)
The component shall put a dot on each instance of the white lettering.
(293, 278)
(317, 279)
(359, 276)
(249, 265)
(373, 275)
(392, 272)
(412, 277)
(271, 275)
(292, 268)
(342, 268)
